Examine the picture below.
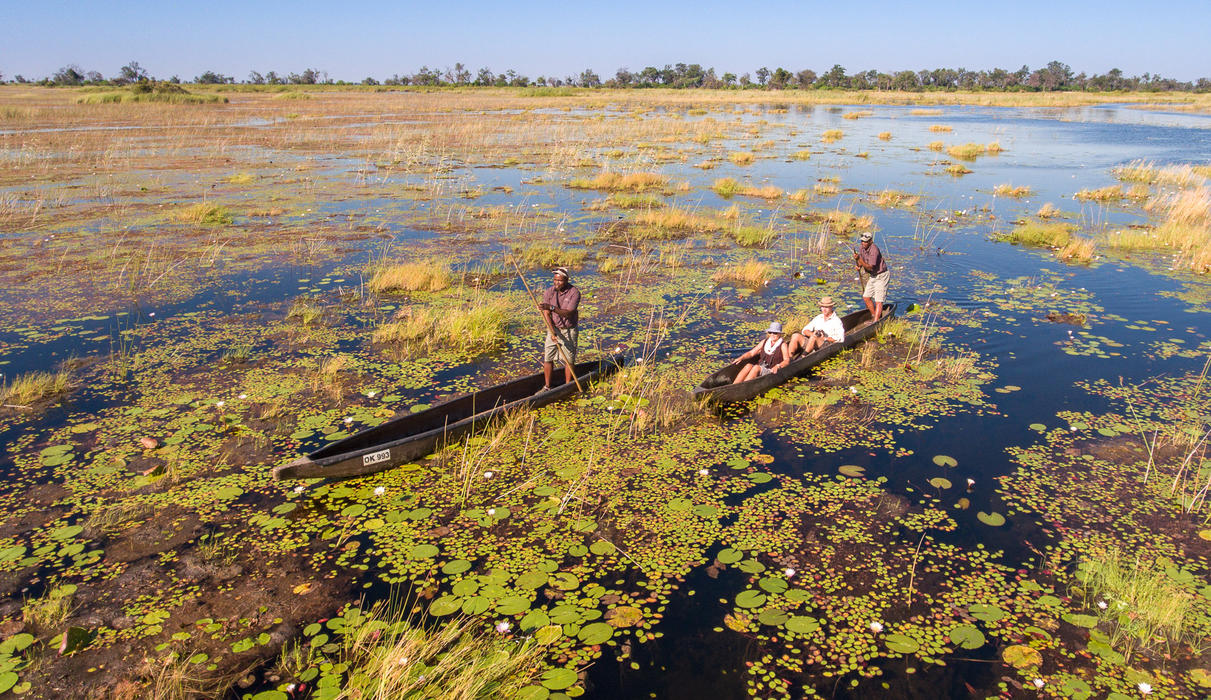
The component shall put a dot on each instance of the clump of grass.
(802, 155)
(1113, 193)
(636, 201)
(177, 97)
(392, 656)
(741, 157)
(1142, 603)
(205, 214)
(885, 136)
(1038, 233)
(936, 146)
(117, 516)
(941, 128)
(328, 377)
(618, 182)
(800, 196)
(1186, 226)
(825, 189)
(957, 169)
(474, 329)
(967, 151)
(896, 198)
(751, 236)
(1077, 249)
(1008, 190)
(238, 353)
(34, 386)
(421, 275)
(240, 179)
(845, 222)
(306, 311)
(292, 95)
(857, 115)
(994, 148)
(832, 135)
(726, 187)
(48, 613)
(751, 272)
(1048, 211)
(550, 255)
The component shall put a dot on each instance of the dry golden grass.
(832, 135)
(475, 329)
(1048, 211)
(742, 157)
(857, 115)
(203, 213)
(618, 182)
(958, 169)
(885, 136)
(896, 198)
(1113, 193)
(967, 151)
(994, 148)
(636, 201)
(1008, 190)
(800, 196)
(825, 189)
(34, 386)
(421, 275)
(936, 146)
(1077, 250)
(845, 222)
(941, 128)
(1037, 233)
(751, 272)
(801, 155)
(676, 219)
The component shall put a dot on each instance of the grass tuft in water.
(618, 182)
(35, 386)
(204, 214)
(751, 272)
(421, 275)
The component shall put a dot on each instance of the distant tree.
(745, 80)
(462, 76)
(623, 77)
(541, 81)
(762, 76)
(212, 78)
(70, 74)
(369, 81)
(589, 79)
(484, 77)
(20, 79)
(256, 78)
(805, 78)
(132, 73)
(94, 77)
(779, 79)
(835, 77)
(175, 80)
(307, 77)
(426, 76)
(905, 80)
(729, 79)
(273, 78)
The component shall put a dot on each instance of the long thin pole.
(550, 329)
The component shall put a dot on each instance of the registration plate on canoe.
(376, 457)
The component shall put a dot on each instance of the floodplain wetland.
(1003, 494)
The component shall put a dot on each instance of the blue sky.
(353, 40)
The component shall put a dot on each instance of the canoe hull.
(406, 438)
(718, 388)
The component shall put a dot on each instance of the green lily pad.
(994, 519)
(680, 504)
(902, 644)
(945, 461)
(772, 584)
(66, 532)
(985, 612)
(940, 483)
(596, 633)
(7, 680)
(773, 617)
(967, 637)
(1038, 427)
(725, 556)
(445, 605)
(1080, 620)
(423, 551)
(548, 634)
(852, 470)
(456, 566)
(565, 581)
(531, 580)
(802, 624)
(706, 510)
(559, 678)
(1021, 656)
(750, 599)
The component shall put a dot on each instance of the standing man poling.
(869, 259)
(560, 304)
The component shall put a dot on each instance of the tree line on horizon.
(1055, 76)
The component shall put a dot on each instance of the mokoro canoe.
(406, 437)
(718, 388)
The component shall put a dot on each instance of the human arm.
(747, 354)
(786, 358)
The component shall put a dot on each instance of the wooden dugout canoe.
(718, 388)
(407, 437)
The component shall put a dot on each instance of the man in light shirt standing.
(825, 328)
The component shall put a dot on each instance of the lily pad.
(1080, 620)
(802, 624)
(994, 519)
(1021, 656)
(445, 605)
(852, 470)
(986, 612)
(596, 633)
(513, 605)
(967, 637)
(750, 599)
(457, 566)
(945, 461)
(940, 483)
(902, 644)
(725, 556)
(773, 617)
(772, 584)
(423, 551)
(559, 678)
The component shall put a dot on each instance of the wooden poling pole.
(550, 329)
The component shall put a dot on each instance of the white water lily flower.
(1039, 682)
(300, 489)
(489, 475)
(876, 627)
(152, 313)
(371, 393)
(379, 490)
(1145, 689)
(704, 472)
(503, 626)
(971, 482)
(221, 404)
(348, 420)
(853, 390)
(491, 511)
(1101, 604)
(243, 396)
(789, 573)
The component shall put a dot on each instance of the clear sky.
(353, 40)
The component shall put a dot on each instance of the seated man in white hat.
(771, 356)
(825, 328)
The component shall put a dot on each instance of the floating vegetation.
(832, 135)
(33, 387)
(619, 182)
(1018, 192)
(420, 275)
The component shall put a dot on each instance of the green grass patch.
(1039, 233)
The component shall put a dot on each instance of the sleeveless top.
(771, 355)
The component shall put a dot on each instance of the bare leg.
(567, 374)
(546, 372)
(878, 314)
(798, 342)
(747, 373)
(870, 306)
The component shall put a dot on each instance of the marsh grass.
(728, 187)
(1113, 193)
(885, 136)
(958, 169)
(1147, 173)
(936, 146)
(117, 516)
(636, 201)
(204, 214)
(938, 128)
(395, 655)
(1048, 211)
(1077, 249)
(752, 236)
(967, 151)
(238, 353)
(825, 189)
(896, 198)
(477, 328)
(802, 155)
(32, 387)
(1144, 606)
(1008, 190)
(306, 310)
(1038, 233)
(429, 275)
(328, 378)
(800, 196)
(48, 613)
(173, 677)
(240, 179)
(751, 272)
(843, 223)
(832, 135)
(742, 157)
(1184, 229)
(618, 182)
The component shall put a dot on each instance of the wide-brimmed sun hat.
(774, 327)
(827, 301)
(866, 237)
(562, 271)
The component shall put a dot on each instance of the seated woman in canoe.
(771, 356)
(825, 328)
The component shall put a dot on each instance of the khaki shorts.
(567, 338)
(876, 286)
